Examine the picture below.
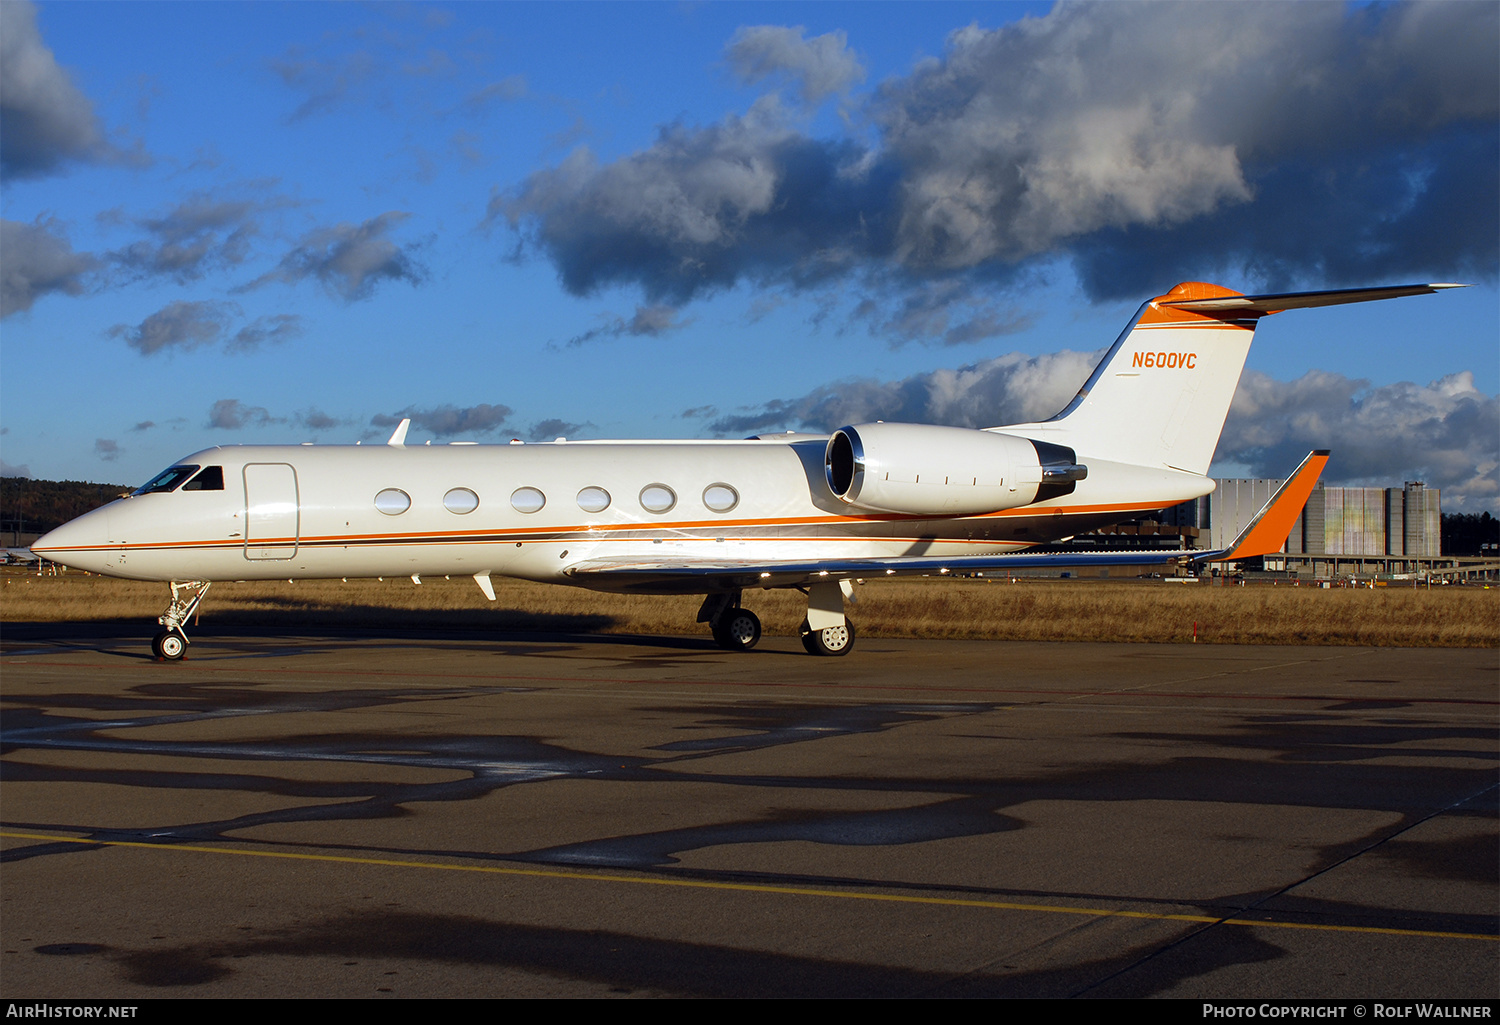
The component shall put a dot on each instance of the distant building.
(1363, 533)
(1372, 522)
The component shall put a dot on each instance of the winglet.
(1268, 531)
(398, 436)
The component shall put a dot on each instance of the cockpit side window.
(210, 479)
(168, 480)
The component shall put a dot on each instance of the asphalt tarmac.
(350, 814)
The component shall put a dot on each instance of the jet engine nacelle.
(922, 470)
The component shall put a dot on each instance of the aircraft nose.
(82, 543)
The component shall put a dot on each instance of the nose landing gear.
(171, 644)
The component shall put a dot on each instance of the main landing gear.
(831, 640)
(825, 631)
(734, 628)
(171, 644)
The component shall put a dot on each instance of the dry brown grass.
(1047, 610)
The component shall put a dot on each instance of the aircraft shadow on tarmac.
(628, 963)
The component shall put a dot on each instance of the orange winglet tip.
(1268, 531)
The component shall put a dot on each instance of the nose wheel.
(168, 645)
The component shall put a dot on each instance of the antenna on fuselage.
(398, 436)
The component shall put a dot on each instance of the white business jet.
(718, 518)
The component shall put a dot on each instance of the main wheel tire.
(168, 645)
(737, 630)
(835, 640)
(805, 633)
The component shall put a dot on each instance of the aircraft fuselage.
(533, 511)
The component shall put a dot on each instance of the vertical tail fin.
(1162, 392)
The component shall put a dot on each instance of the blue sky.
(277, 223)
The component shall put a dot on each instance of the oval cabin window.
(527, 500)
(393, 501)
(593, 499)
(657, 498)
(460, 500)
(720, 497)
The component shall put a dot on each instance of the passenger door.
(272, 521)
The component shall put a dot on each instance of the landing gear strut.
(171, 644)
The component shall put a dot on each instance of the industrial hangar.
(1365, 533)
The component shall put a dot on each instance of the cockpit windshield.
(211, 479)
(167, 480)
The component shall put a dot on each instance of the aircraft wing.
(688, 576)
(1264, 536)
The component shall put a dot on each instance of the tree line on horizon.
(36, 506)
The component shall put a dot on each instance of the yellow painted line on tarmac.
(797, 891)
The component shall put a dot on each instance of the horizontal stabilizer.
(1276, 302)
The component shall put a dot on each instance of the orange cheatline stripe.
(1268, 535)
(793, 891)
